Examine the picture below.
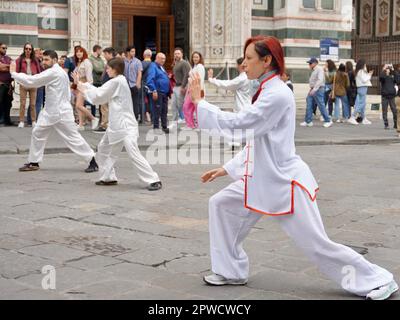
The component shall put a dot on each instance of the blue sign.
(329, 49)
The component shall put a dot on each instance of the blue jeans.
(361, 102)
(38, 106)
(319, 99)
(345, 107)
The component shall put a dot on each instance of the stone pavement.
(16, 141)
(126, 243)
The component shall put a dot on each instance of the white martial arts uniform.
(270, 179)
(241, 85)
(57, 113)
(122, 130)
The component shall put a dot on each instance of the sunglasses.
(30, 49)
(5, 48)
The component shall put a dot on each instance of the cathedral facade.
(216, 28)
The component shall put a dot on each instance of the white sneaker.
(328, 124)
(95, 123)
(186, 128)
(81, 128)
(217, 280)
(181, 121)
(339, 121)
(33, 124)
(321, 118)
(173, 126)
(353, 121)
(384, 292)
(21, 125)
(305, 124)
(158, 132)
(366, 122)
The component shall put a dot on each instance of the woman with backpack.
(340, 85)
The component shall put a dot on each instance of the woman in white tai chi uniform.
(122, 130)
(57, 113)
(270, 179)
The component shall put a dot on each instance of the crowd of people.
(151, 86)
(340, 93)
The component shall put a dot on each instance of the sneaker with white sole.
(33, 124)
(352, 121)
(384, 292)
(81, 128)
(366, 122)
(217, 280)
(181, 121)
(95, 123)
(21, 125)
(321, 119)
(305, 124)
(328, 124)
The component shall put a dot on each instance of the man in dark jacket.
(388, 93)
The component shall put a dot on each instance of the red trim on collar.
(255, 97)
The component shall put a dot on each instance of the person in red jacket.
(28, 64)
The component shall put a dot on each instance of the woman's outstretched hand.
(195, 87)
(210, 176)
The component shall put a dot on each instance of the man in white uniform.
(57, 113)
(241, 86)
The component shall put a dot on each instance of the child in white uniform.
(123, 128)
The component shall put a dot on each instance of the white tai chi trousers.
(230, 223)
(68, 131)
(107, 155)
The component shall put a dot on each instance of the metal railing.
(377, 51)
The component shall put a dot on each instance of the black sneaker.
(386, 127)
(93, 167)
(155, 186)
(29, 167)
(166, 130)
(106, 183)
(100, 129)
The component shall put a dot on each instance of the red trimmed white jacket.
(268, 164)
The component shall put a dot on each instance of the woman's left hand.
(75, 76)
(195, 87)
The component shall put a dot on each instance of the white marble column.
(219, 29)
(90, 23)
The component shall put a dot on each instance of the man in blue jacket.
(158, 83)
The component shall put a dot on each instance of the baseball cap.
(312, 60)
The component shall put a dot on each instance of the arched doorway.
(145, 24)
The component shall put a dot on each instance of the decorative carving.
(105, 20)
(396, 17)
(366, 18)
(382, 21)
(218, 30)
(76, 18)
(92, 20)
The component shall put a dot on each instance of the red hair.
(85, 54)
(269, 46)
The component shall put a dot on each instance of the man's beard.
(45, 66)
